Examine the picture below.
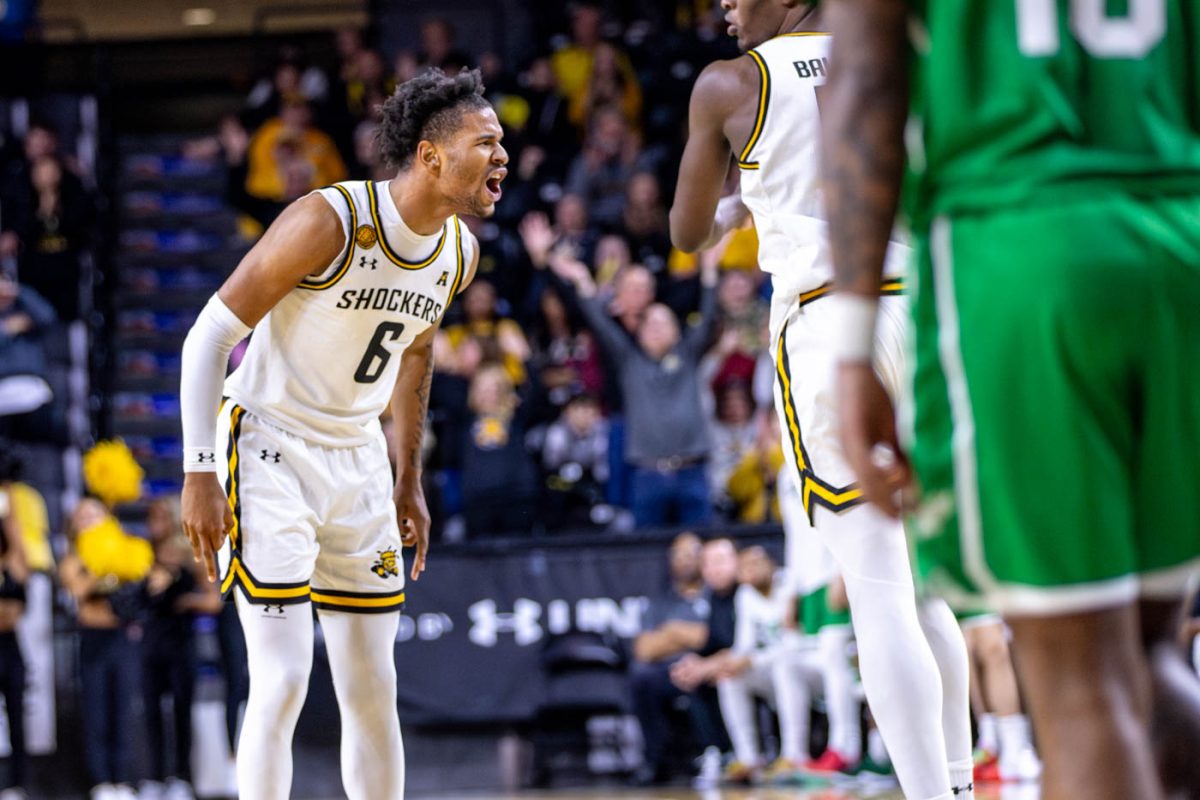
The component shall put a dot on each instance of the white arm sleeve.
(205, 359)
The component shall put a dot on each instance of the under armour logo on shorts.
(267, 608)
(269, 456)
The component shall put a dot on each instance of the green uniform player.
(1053, 190)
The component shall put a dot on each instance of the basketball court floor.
(1021, 792)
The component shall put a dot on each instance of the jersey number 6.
(1131, 35)
(377, 356)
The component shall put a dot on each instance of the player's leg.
(358, 589)
(266, 563)
(950, 652)
(841, 700)
(1176, 719)
(362, 659)
(737, 710)
(1090, 694)
(987, 639)
(791, 677)
(279, 646)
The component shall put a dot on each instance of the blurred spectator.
(369, 84)
(499, 483)
(53, 234)
(660, 370)
(587, 60)
(734, 432)
(752, 484)
(570, 231)
(438, 48)
(14, 572)
(536, 114)
(565, 360)
(174, 594)
(24, 317)
(674, 624)
(610, 158)
(500, 338)
(108, 664)
(288, 157)
(644, 222)
(291, 82)
(575, 458)
(612, 83)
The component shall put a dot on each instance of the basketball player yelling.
(288, 496)
(762, 111)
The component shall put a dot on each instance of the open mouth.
(492, 184)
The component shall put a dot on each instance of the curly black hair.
(426, 107)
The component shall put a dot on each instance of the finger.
(210, 565)
(419, 560)
(194, 541)
(878, 490)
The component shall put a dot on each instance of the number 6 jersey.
(323, 362)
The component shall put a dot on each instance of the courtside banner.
(475, 625)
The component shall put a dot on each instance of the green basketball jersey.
(1017, 101)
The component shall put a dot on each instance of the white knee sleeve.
(362, 659)
(279, 642)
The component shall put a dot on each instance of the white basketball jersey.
(780, 164)
(323, 362)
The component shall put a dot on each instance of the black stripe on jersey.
(308, 283)
(764, 99)
(373, 196)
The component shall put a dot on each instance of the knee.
(285, 687)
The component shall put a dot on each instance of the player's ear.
(428, 156)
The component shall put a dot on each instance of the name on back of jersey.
(812, 68)
(401, 301)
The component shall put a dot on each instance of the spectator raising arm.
(575, 273)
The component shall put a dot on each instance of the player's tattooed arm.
(863, 112)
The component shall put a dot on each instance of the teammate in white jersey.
(344, 293)
(762, 110)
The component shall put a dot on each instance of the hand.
(538, 237)
(868, 432)
(413, 515)
(206, 517)
(687, 673)
(18, 324)
(573, 271)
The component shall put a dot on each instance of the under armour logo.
(489, 623)
(957, 790)
(207, 458)
(277, 606)
(362, 262)
(269, 456)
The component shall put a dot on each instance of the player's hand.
(413, 515)
(868, 431)
(206, 516)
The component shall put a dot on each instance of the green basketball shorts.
(1056, 404)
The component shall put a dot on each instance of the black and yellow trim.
(308, 283)
(260, 592)
(764, 97)
(888, 286)
(461, 269)
(804, 33)
(232, 492)
(813, 489)
(373, 197)
(358, 602)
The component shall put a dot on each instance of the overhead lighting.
(198, 17)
